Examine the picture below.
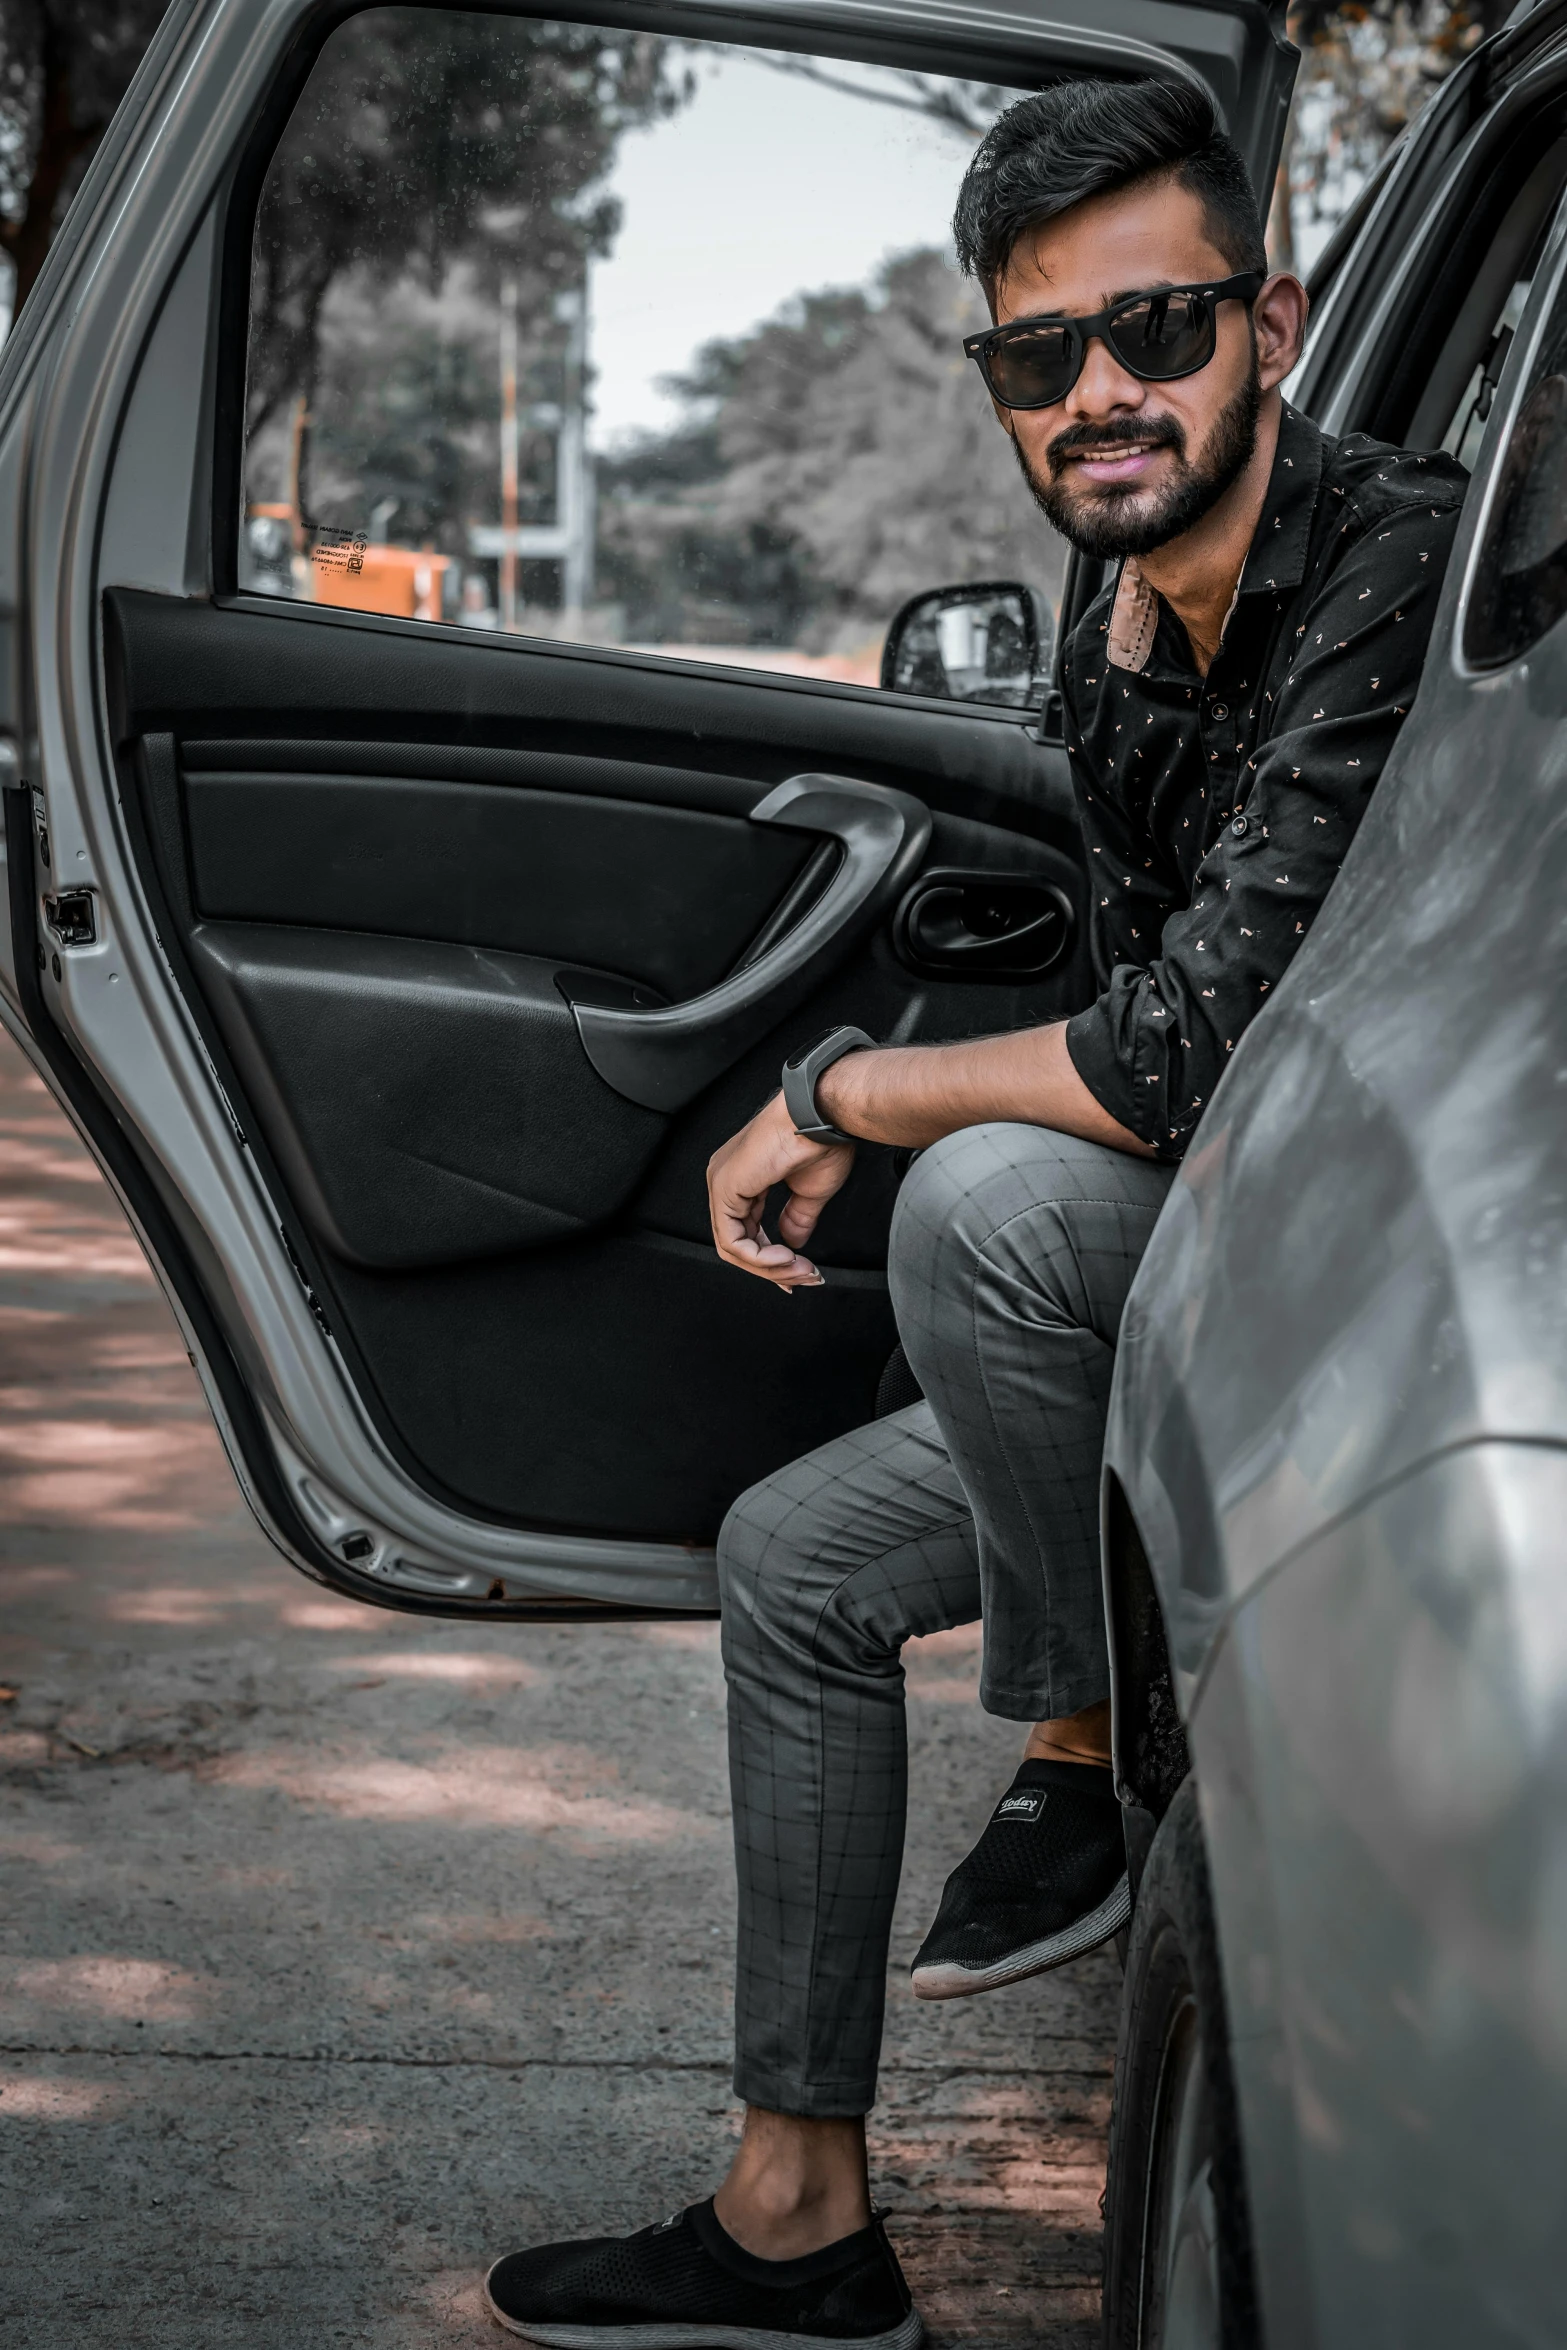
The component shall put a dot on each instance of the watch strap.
(801, 1071)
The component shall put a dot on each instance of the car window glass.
(624, 340)
(1520, 581)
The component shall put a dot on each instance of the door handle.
(966, 925)
(665, 1058)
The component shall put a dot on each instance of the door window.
(1520, 581)
(592, 334)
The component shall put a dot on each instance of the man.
(1230, 703)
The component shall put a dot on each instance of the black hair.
(1082, 139)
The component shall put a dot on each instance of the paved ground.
(342, 1950)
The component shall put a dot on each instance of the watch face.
(797, 1060)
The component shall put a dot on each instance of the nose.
(1105, 387)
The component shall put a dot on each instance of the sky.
(764, 186)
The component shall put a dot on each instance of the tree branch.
(922, 93)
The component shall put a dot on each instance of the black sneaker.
(1045, 1882)
(686, 2284)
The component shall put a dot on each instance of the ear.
(1279, 317)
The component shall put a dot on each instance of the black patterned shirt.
(1216, 811)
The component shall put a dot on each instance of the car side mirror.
(990, 641)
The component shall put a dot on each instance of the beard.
(1105, 521)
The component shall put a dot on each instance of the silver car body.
(1340, 1428)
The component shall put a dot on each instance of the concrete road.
(342, 1951)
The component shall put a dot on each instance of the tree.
(833, 462)
(505, 123)
(424, 138)
(406, 402)
(64, 67)
(1367, 68)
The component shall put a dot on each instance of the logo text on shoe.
(1024, 1808)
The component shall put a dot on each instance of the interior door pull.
(965, 925)
(664, 1059)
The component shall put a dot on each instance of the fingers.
(739, 1178)
(798, 1219)
(775, 1263)
(741, 1242)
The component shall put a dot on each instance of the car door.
(403, 914)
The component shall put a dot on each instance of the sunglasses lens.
(1032, 366)
(1163, 335)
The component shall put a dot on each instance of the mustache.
(1155, 432)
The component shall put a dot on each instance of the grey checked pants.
(1012, 1252)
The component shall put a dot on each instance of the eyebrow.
(1164, 286)
(1109, 302)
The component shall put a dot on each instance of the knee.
(797, 1580)
(743, 1547)
(940, 1184)
(947, 1205)
(984, 1205)
(762, 1567)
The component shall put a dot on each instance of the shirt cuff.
(1098, 1049)
(1090, 1046)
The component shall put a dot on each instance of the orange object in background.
(405, 581)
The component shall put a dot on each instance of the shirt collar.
(1279, 543)
(1277, 557)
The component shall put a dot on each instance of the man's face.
(1121, 466)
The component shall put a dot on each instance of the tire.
(1178, 2266)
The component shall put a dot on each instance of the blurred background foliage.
(64, 67)
(485, 148)
(1367, 67)
(833, 459)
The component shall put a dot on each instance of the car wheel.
(1178, 2272)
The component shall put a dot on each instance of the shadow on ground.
(343, 1950)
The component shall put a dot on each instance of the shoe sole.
(907, 2336)
(951, 1981)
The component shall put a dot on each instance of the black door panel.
(261, 671)
(625, 1385)
(671, 896)
(427, 1103)
(375, 850)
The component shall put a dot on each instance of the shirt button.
(1238, 828)
(1219, 709)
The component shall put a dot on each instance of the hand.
(740, 1176)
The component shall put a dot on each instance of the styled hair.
(1092, 138)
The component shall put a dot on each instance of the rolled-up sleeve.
(1154, 1045)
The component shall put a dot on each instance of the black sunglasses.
(1034, 362)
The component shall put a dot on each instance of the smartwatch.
(801, 1071)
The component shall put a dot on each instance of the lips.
(1115, 463)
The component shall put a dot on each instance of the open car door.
(404, 918)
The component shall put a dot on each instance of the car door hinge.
(303, 1279)
(72, 917)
